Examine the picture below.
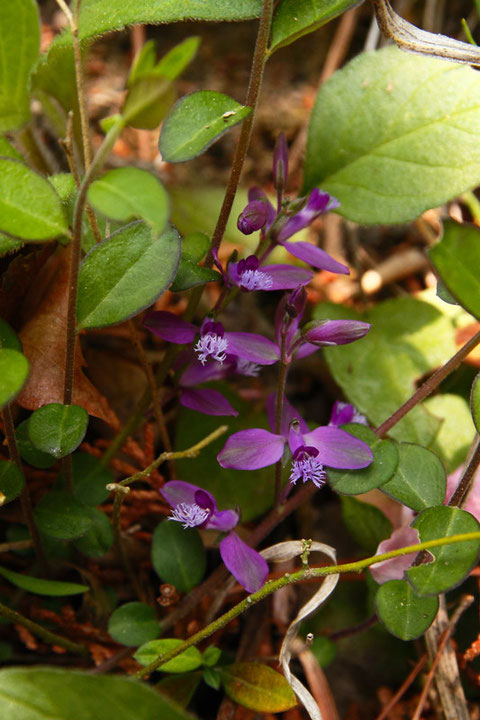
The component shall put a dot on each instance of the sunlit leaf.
(257, 687)
(190, 659)
(14, 370)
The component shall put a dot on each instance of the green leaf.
(58, 429)
(402, 611)
(11, 481)
(90, 479)
(419, 480)
(211, 656)
(452, 562)
(60, 516)
(133, 624)
(196, 121)
(212, 678)
(366, 523)
(393, 134)
(9, 244)
(29, 206)
(54, 77)
(19, 46)
(257, 687)
(8, 338)
(28, 451)
(408, 339)
(38, 586)
(189, 659)
(39, 693)
(194, 249)
(178, 555)
(475, 402)
(14, 370)
(7, 150)
(385, 461)
(125, 274)
(129, 192)
(456, 432)
(294, 18)
(64, 185)
(456, 257)
(98, 540)
(176, 60)
(148, 102)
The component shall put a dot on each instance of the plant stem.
(25, 494)
(429, 385)
(49, 637)
(467, 479)
(80, 81)
(292, 578)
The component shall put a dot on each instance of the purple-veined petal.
(251, 449)
(334, 332)
(252, 347)
(178, 491)
(222, 520)
(207, 401)
(289, 414)
(338, 449)
(170, 327)
(395, 568)
(256, 194)
(246, 564)
(315, 256)
(286, 277)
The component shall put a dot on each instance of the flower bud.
(280, 164)
(253, 217)
(296, 302)
(334, 332)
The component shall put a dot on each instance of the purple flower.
(343, 413)
(194, 507)
(253, 217)
(311, 450)
(213, 342)
(325, 333)
(249, 275)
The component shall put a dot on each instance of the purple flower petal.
(246, 564)
(251, 449)
(395, 568)
(196, 373)
(318, 203)
(338, 449)
(256, 194)
(170, 327)
(289, 414)
(178, 491)
(252, 347)
(253, 217)
(343, 413)
(315, 256)
(334, 332)
(222, 520)
(207, 401)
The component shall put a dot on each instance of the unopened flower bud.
(253, 217)
(280, 164)
(334, 332)
(296, 302)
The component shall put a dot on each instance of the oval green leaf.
(196, 121)
(60, 516)
(125, 274)
(190, 659)
(178, 555)
(20, 44)
(452, 562)
(257, 687)
(402, 611)
(456, 257)
(133, 624)
(393, 134)
(14, 370)
(29, 206)
(419, 480)
(127, 193)
(38, 586)
(58, 429)
(11, 481)
(62, 694)
(385, 461)
(28, 451)
(98, 540)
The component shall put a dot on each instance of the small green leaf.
(212, 678)
(58, 429)
(133, 624)
(257, 687)
(63, 184)
(475, 402)
(385, 461)
(294, 18)
(125, 274)
(176, 60)
(196, 121)
(127, 193)
(452, 562)
(8, 339)
(178, 555)
(98, 540)
(38, 586)
(7, 150)
(29, 206)
(148, 102)
(39, 693)
(456, 257)
(189, 660)
(90, 479)
(211, 656)
(11, 481)
(28, 451)
(194, 249)
(366, 523)
(419, 480)
(14, 370)
(402, 611)
(393, 134)
(19, 43)
(60, 516)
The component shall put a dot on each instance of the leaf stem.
(292, 578)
